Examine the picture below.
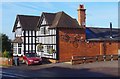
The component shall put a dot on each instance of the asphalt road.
(97, 69)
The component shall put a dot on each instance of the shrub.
(39, 47)
(51, 51)
(7, 54)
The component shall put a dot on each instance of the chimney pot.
(81, 6)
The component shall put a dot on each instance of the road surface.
(96, 69)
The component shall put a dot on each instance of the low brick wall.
(6, 61)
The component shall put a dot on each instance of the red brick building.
(77, 42)
(74, 41)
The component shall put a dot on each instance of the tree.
(6, 43)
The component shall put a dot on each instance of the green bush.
(51, 51)
(7, 54)
(39, 47)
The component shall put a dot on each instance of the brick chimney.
(81, 16)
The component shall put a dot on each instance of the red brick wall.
(67, 49)
(112, 48)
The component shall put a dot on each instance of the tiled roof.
(27, 22)
(93, 33)
(60, 20)
(49, 17)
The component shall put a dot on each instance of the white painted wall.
(18, 24)
(18, 31)
(44, 22)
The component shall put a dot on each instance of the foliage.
(51, 51)
(6, 43)
(39, 47)
(7, 54)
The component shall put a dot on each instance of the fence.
(89, 59)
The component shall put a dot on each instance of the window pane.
(19, 50)
(15, 44)
(48, 48)
(19, 45)
(15, 50)
(42, 30)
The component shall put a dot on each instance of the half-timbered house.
(25, 34)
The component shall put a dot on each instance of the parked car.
(32, 58)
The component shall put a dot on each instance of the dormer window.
(43, 30)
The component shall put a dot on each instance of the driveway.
(96, 69)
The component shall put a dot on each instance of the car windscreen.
(31, 55)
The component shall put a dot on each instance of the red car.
(32, 58)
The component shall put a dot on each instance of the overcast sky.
(98, 14)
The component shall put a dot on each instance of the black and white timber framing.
(30, 37)
(47, 37)
(25, 34)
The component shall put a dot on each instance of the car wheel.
(40, 63)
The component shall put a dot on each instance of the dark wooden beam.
(28, 42)
(24, 42)
(57, 44)
(31, 41)
(35, 40)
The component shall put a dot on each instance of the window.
(43, 30)
(15, 51)
(47, 30)
(19, 44)
(15, 44)
(15, 48)
(48, 48)
(19, 50)
(26, 32)
(31, 55)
